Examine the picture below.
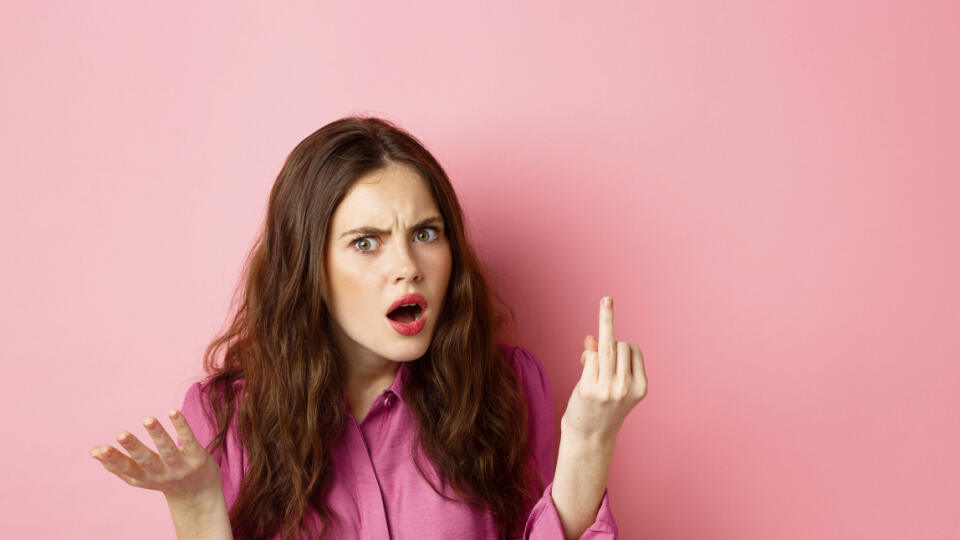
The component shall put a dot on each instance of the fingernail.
(607, 301)
(149, 422)
(172, 414)
(123, 437)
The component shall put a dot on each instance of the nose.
(405, 265)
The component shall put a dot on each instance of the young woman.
(363, 391)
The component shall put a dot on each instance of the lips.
(410, 327)
(409, 299)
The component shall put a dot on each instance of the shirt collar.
(397, 386)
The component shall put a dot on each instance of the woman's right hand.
(186, 473)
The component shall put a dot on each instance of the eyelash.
(366, 251)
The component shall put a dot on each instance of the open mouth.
(406, 314)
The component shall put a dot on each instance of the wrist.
(595, 440)
(200, 516)
(196, 503)
(583, 465)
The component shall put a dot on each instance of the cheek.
(443, 265)
(347, 280)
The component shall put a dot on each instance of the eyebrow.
(373, 230)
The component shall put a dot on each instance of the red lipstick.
(413, 327)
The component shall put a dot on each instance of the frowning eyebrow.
(433, 220)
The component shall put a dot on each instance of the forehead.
(377, 198)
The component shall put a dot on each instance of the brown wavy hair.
(464, 394)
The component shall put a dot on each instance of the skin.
(188, 477)
(360, 288)
(366, 274)
(613, 381)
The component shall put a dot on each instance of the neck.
(367, 375)
(365, 384)
(361, 378)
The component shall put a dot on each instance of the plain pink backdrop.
(769, 191)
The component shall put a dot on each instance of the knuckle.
(601, 393)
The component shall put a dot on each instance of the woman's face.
(368, 270)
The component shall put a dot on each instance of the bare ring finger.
(623, 360)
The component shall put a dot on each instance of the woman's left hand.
(612, 383)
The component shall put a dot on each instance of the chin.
(411, 351)
(409, 348)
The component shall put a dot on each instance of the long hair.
(465, 396)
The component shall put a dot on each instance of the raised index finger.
(606, 346)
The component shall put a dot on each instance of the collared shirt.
(378, 492)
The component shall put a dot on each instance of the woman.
(363, 391)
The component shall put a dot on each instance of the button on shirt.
(378, 492)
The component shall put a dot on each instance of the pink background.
(768, 190)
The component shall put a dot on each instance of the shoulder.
(198, 409)
(533, 376)
(200, 395)
(538, 395)
(199, 413)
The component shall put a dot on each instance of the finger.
(188, 442)
(590, 343)
(589, 361)
(167, 449)
(583, 356)
(118, 463)
(146, 458)
(606, 347)
(639, 373)
(623, 360)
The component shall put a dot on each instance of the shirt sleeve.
(198, 412)
(543, 522)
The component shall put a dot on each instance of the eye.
(362, 244)
(428, 238)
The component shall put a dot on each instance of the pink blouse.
(377, 491)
